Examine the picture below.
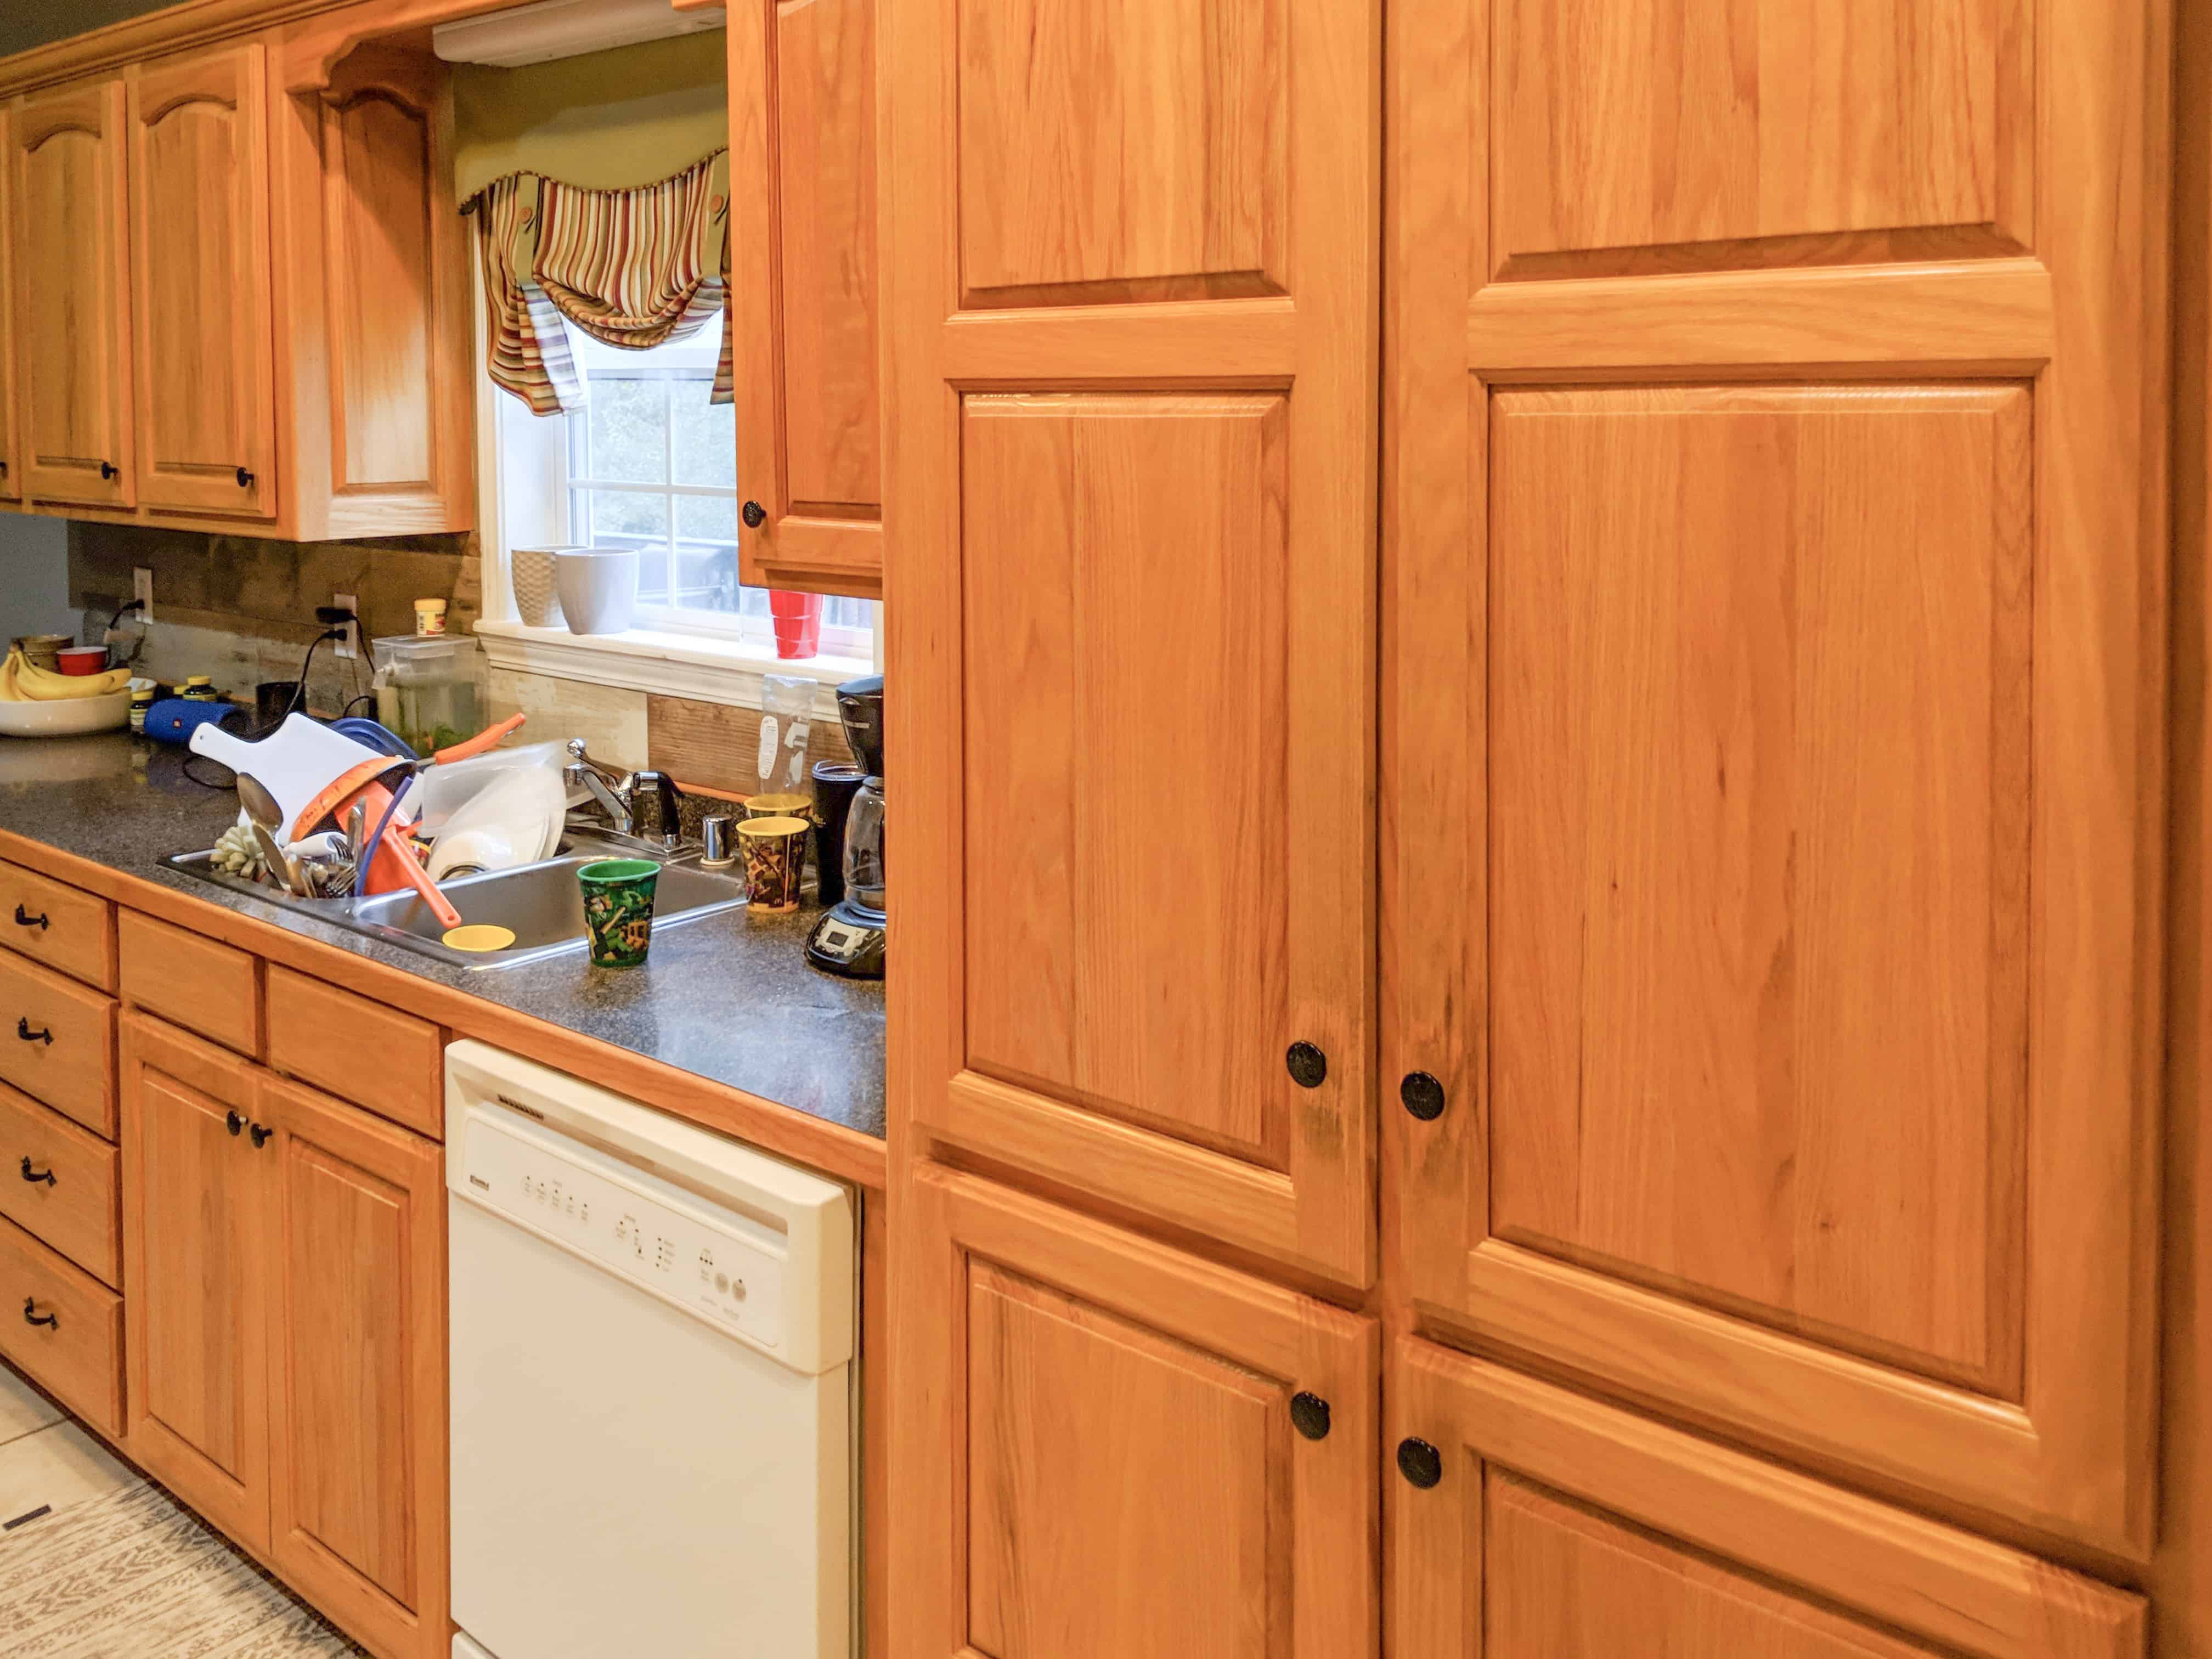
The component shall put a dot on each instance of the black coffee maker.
(849, 940)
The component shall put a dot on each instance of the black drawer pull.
(235, 1124)
(32, 1317)
(23, 1031)
(36, 1176)
(260, 1136)
(245, 479)
(108, 470)
(25, 919)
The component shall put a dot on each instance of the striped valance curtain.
(634, 267)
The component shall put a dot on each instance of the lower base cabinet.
(285, 1257)
(1526, 1521)
(1111, 1447)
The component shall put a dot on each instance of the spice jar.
(429, 617)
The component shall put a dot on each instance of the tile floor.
(44, 1458)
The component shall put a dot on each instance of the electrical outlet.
(142, 589)
(349, 647)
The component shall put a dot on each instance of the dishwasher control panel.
(712, 1262)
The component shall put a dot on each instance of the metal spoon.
(261, 807)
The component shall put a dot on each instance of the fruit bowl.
(68, 717)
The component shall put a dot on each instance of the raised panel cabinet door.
(11, 463)
(200, 287)
(1772, 754)
(1133, 349)
(1105, 1447)
(803, 140)
(357, 1356)
(196, 1184)
(373, 300)
(1528, 1522)
(71, 249)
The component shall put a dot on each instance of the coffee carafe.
(849, 940)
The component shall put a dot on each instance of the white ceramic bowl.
(598, 587)
(67, 717)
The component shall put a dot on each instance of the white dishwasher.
(653, 1383)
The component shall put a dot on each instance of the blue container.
(175, 719)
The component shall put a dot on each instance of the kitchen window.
(650, 463)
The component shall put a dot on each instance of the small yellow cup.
(776, 860)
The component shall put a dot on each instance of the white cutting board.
(295, 763)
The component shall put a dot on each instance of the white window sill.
(694, 665)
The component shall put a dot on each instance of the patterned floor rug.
(131, 1575)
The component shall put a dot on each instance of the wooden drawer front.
(362, 1051)
(58, 1181)
(1529, 1521)
(58, 925)
(79, 1358)
(57, 1043)
(208, 989)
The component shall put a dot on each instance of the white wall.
(34, 577)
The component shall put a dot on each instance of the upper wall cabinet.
(72, 323)
(1775, 807)
(1133, 310)
(803, 112)
(11, 473)
(372, 292)
(199, 282)
(239, 305)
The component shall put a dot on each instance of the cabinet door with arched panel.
(201, 283)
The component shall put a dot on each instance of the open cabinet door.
(803, 112)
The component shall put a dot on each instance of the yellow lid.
(478, 936)
(773, 828)
(200, 679)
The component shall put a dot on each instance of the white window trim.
(705, 667)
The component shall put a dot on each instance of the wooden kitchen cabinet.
(237, 304)
(11, 463)
(357, 1490)
(196, 1244)
(1107, 1447)
(1528, 1522)
(69, 239)
(1772, 747)
(285, 1263)
(1135, 485)
(201, 283)
(803, 167)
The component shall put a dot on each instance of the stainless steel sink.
(542, 903)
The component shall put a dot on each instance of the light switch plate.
(350, 646)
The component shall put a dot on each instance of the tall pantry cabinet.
(1527, 1017)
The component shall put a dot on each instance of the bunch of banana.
(24, 681)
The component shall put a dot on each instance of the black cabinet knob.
(754, 515)
(1310, 1415)
(107, 469)
(235, 1124)
(23, 1031)
(32, 1317)
(1309, 1065)
(1422, 1096)
(245, 479)
(25, 919)
(36, 1176)
(1420, 1462)
(260, 1136)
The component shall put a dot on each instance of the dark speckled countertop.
(729, 997)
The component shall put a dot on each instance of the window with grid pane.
(651, 463)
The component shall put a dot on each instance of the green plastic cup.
(618, 910)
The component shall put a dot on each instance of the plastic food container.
(82, 660)
(430, 691)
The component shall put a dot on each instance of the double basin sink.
(542, 904)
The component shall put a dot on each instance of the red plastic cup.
(83, 659)
(798, 618)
